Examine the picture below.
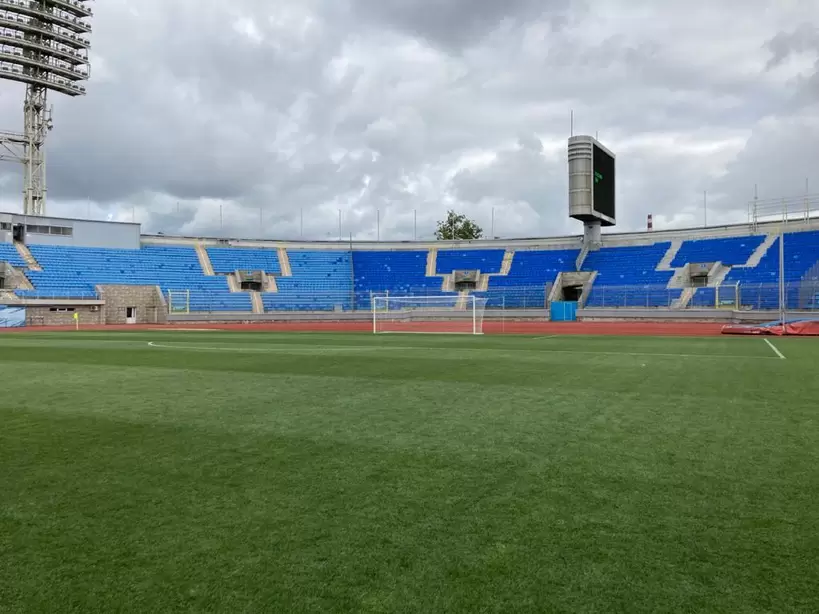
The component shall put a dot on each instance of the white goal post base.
(449, 314)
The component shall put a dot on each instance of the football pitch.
(263, 472)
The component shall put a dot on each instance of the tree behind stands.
(457, 227)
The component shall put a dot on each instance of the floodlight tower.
(44, 44)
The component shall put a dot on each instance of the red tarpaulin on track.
(796, 328)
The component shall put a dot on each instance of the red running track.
(677, 329)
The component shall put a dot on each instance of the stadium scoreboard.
(592, 181)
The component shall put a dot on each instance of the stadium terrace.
(109, 273)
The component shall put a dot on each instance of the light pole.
(43, 44)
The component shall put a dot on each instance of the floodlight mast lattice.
(44, 44)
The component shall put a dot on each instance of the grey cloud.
(458, 23)
(521, 180)
(199, 122)
(774, 176)
(803, 38)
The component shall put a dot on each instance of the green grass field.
(239, 472)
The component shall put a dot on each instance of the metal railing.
(633, 296)
(800, 295)
(45, 295)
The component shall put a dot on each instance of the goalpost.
(446, 314)
(179, 301)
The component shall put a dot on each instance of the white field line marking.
(546, 337)
(200, 348)
(364, 348)
(773, 347)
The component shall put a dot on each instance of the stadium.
(603, 422)
(108, 273)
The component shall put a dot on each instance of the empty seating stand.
(321, 281)
(75, 272)
(230, 259)
(483, 260)
(729, 250)
(327, 280)
(395, 272)
(759, 286)
(627, 277)
(525, 285)
(9, 253)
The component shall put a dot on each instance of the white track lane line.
(773, 347)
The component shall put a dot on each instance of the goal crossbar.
(442, 314)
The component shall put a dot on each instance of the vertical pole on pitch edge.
(352, 275)
(782, 292)
(474, 320)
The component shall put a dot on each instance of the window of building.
(50, 230)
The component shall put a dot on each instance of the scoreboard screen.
(604, 188)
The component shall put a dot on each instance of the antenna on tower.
(43, 44)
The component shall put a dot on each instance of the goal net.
(447, 314)
(179, 301)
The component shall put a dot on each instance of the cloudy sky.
(274, 111)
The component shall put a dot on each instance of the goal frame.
(470, 303)
(179, 302)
